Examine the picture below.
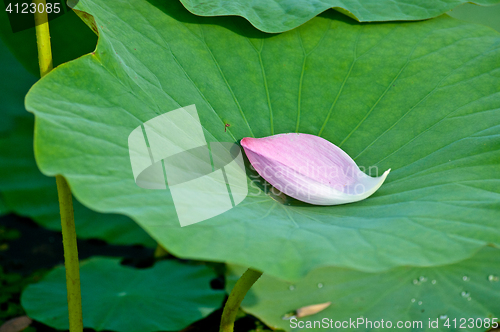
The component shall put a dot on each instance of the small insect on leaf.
(225, 127)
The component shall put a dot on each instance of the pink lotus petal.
(310, 169)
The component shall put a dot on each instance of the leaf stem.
(234, 300)
(43, 39)
(70, 255)
(63, 190)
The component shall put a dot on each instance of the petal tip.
(384, 176)
(245, 141)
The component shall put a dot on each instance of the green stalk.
(70, 255)
(63, 191)
(43, 40)
(234, 300)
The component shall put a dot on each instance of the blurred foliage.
(69, 36)
(166, 297)
(11, 284)
(282, 15)
(469, 288)
(27, 192)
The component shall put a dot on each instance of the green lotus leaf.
(166, 297)
(469, 290)
(24, 189)
(421, 98)
(477, 14)
(283, 15)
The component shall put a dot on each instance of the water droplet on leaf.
(493, 278)
(288, 315)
